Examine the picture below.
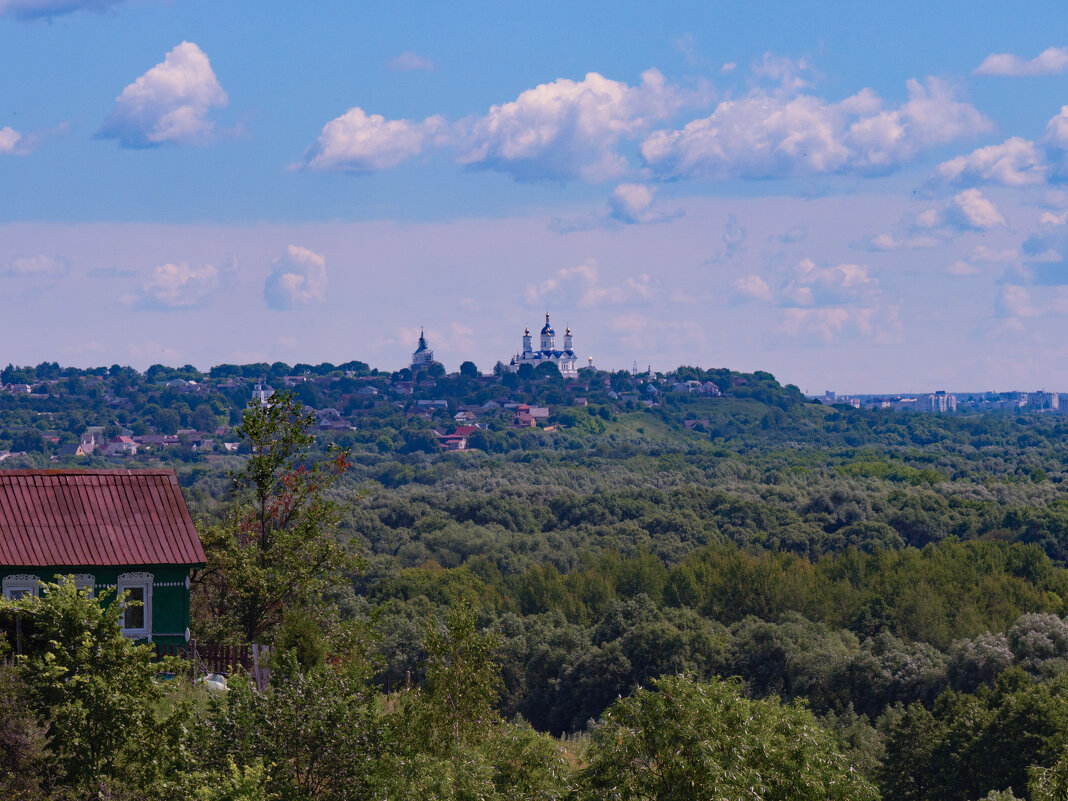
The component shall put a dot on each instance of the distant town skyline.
(854, 198)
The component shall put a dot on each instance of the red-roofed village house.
(124, 530)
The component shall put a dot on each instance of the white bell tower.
(548, 336)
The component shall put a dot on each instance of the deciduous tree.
(277, 549)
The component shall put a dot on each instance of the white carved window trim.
(17, 582)
(85, 581)
(141, 581)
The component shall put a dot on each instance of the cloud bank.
(567, 130)
(777, 135)
(561, 130)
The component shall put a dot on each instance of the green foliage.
(1050, 784)
(312, 735)
(249, 783)
(91, 688)
(462, 682)
(22, 740)
(683, 739)
(968, 745)
(893, 472)
(301, 634)
(447, 741)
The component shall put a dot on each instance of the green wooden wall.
(170, 595)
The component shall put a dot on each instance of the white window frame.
(21, 581)
(85, 581)
(143, 581)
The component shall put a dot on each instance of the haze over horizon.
(867, 199)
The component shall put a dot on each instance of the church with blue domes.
(564, 359)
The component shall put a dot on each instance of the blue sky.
(862, 198)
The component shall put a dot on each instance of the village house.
(523, 418)
(74, 449)
(452, 442)
(117, 530)
(121, 445)
(457, 440)
(539, 412)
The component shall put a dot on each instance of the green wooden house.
(124, 530)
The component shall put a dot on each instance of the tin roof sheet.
(51, 518)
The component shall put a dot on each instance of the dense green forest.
(579, 608)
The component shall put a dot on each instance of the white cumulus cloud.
(970, 210)
(1015, 162)
(753, 286)
(178, 286)
(566, 129)
(633, 204)
(360, 142)
(9, 140)
(298, 278)
(1014, 301)
(775, 135)
(169, 103)
(560, 130)
(1055, 142)
(1051, 61)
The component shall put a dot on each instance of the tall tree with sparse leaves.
(277, 549)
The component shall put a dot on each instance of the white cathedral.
(565, 359)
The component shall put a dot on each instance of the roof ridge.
(84, 471)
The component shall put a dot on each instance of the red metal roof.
(55, 518)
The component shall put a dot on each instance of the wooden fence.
(220, 658)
